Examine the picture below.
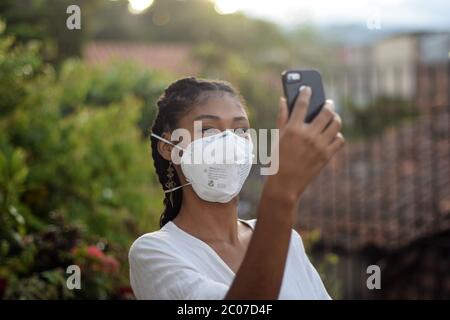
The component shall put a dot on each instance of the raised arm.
(304, 148)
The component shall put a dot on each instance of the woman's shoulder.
(156, 241)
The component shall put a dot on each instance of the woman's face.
(218, 112)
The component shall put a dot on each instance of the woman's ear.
(165, 149)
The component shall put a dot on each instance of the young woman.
(203, 251)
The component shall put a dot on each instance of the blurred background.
(77, 184)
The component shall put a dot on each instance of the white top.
(172, 264)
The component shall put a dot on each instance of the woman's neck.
(211, 222)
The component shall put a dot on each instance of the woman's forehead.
(221, 106)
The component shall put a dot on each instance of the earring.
(170, 184)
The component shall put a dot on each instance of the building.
(411, 66)
(174, 58)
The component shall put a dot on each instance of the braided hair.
(178, 98)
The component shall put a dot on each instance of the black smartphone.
(293, 79)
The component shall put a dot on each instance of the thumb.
(283, 113)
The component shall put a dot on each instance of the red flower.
(97, 259)
(95, 252)
(125, 293)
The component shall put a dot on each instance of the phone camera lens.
(294, 76)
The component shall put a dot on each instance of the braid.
(176, 101)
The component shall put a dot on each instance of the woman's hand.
(304, 148)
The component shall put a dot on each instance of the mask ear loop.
(176, 146)
(176, 188)
(154, 135)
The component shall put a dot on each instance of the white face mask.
(216, 166)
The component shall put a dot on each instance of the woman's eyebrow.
(241, 118)
(207, 116)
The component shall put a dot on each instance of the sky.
(428, 14)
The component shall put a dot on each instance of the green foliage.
(325, 263)
(365, 121)
(192, 21)
(45, 20)
(48, 286)
(252, 81)
(310, 48)
(73, 143)
(39, 270)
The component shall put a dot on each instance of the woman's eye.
(241, 131)
(209, 131)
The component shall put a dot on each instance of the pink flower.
(95, 252)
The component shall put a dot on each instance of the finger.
(283, 113)
(301, 105)
(333, 129)
(320, 122)
(337, 143)
(331, 103)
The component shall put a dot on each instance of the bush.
(367, 121)
(72, 144)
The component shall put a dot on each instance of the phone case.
(291, 85)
